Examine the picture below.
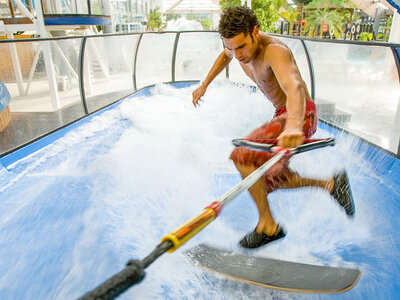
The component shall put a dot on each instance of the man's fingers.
(196, 102)
(290, 141)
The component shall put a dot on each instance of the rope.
(133, 273)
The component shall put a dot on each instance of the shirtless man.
(271, 65)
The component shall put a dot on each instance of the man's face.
(242, 47)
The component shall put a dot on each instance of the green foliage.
(266, 16)
(206, 23)
(389, 21)
(305, 2)
(290, 14)
(385, 36)
(318, 17)
(170, 17)
(228, 3)
(278, 4)
(366, 36)
(263, 10)
(335, 3)
(154, 20)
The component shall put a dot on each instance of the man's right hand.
(197, 94)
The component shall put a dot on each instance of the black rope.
(160, 250)
(133, 273)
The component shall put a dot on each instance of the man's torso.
(259, 70)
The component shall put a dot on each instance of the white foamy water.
(76, 211)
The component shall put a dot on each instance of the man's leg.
(258, 192)
(296, 181)
(267, 229)
(338, 187)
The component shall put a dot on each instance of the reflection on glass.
(108, 69)
(299, 54)
(357, 88)
(42, 78)
(154, 59)
(65, 7)
(196, 52)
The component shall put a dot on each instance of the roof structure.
(370, 7)
(395, 4)
(192, 6)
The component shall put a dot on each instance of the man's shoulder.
(275, 47)
(271, 40)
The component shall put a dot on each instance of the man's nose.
(238, 54)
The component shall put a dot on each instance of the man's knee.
(235, 155)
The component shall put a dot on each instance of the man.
(271, 65)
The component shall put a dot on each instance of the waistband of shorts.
(310, 105)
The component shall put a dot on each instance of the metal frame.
(173, 63)
(81, 76)
(396, 54)
(311, 69)
(135, 62)
(394, 47)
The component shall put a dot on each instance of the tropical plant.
(263, 10)
(305, 2)
(206, 23)
(290, 15)
(318, 17)
(154, 20)
(335, 3)
(170, 17)
(366, 36)
(229, 3)
(385, 36)
(278, 4)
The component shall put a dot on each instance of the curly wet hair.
(235, 20)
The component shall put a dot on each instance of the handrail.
(393, 46)
(311, 69)
(81, 75)
(382, 44)
(174, 57)
(396, 55)
(135, 62)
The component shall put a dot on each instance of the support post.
(16, 64)
(46, 47)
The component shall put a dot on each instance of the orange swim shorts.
(279, 173)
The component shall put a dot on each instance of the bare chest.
(267, 82)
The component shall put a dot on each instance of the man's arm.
(220, 63)
(289, 78)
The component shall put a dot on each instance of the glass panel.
(196, 54)
(65, 7)
(41, 101)
(299, 54)
(96, 7)
(357, 88)
(154, 60)
(108, 69)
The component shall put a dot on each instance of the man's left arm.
(289, 78)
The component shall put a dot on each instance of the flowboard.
(273, 273)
